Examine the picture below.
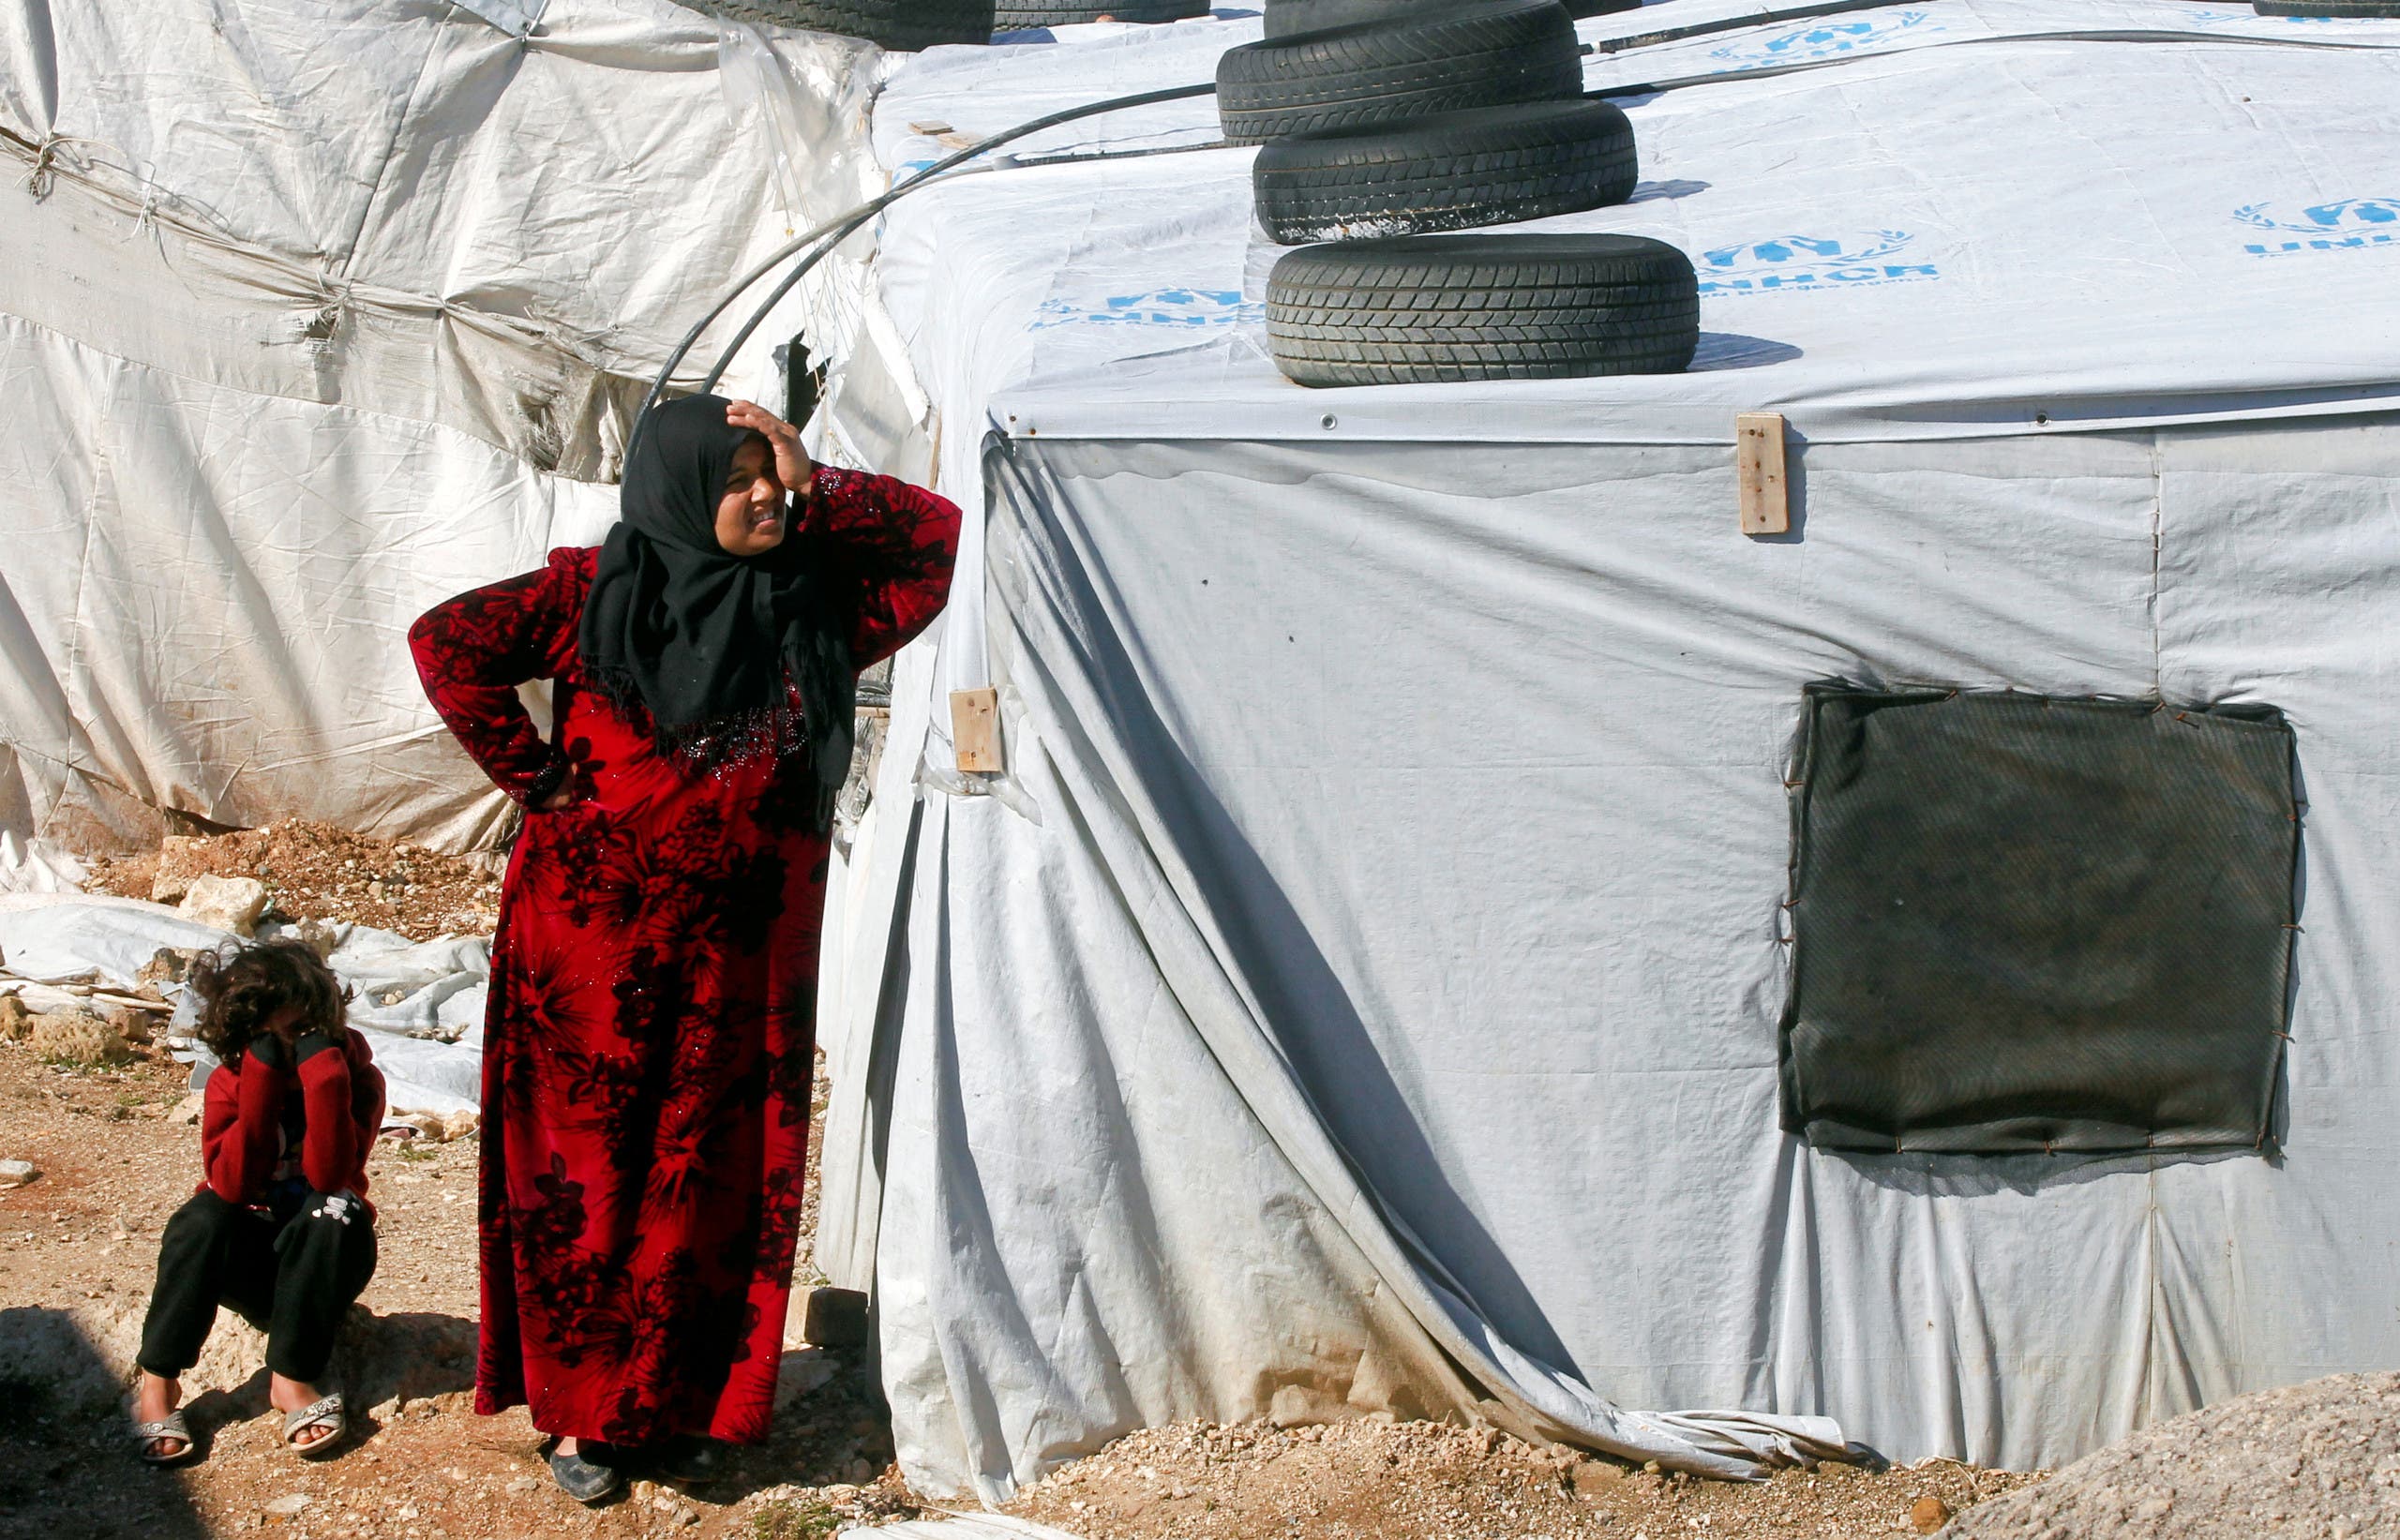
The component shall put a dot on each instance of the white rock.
(178, 857)
(291, 1503)
(75, 1037)
(187, 1111)
(430, 1127)
(17, 1172)
(230, 904)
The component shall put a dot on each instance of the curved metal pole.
(835, 231)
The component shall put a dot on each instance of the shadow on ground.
(67, 1468)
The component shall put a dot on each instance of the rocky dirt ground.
(2314, 1462)
(78, 1244)
(318, 872)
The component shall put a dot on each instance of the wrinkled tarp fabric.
(313, 315)
(1330, 1004)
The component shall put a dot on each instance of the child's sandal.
(326, 1413)
(172, 1426)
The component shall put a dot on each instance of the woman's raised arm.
(901, 541)
(472, 651)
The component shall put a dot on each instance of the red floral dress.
(648, 1051)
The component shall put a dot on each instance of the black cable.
(1085, 157)
(839, 229)
(1653, 88)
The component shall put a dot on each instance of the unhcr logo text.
(1827, 40)
(1785, 263)
(2346, 225)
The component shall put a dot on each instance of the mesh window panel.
(2025, 924)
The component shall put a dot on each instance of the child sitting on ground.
(279, 1230)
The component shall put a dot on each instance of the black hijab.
(703, 642)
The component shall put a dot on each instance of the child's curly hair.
(243, 988)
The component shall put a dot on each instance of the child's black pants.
(292, 1278)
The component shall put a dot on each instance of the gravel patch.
(2314, 1462)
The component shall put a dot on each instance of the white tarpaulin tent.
(1360, 989)
(313, 314)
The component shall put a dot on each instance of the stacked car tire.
(1407, 117)
(906, 24)
(1012, 16)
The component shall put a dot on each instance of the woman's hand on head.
(793, 467)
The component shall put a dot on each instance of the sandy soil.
(1356, 1480)
(2314, 1461)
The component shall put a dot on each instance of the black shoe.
(584, 1479)
(695, 1461)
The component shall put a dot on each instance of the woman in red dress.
(648, 1051)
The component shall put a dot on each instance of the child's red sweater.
(241, 1121)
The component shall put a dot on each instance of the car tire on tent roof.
(1420, 308)
(1484, 54)
(1453, 171)
(1288, 16)
(1010, 18)
(901, 24)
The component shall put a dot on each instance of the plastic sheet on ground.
(419, 1002)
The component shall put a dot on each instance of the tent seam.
(2157, 545)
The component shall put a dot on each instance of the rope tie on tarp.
(39, 180)
(320, 319)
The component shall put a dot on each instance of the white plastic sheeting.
(420, 1003)
(310, 315)
(1360, 989)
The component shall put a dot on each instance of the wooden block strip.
(975, 729)
(1758, 466)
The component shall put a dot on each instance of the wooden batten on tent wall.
(1758, 466)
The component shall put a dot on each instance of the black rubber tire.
(1446, 308)
(901, 24)
(1289, 18)
(1453, 171)
(1286, 17)
(2327, 8)
(1010, 18)
(1487, 53)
